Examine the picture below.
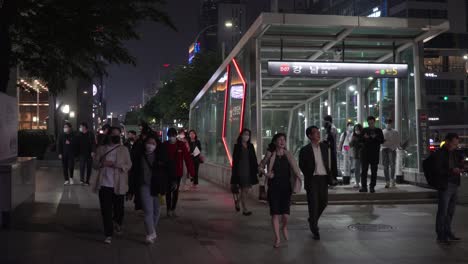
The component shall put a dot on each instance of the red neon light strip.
(245, 94)
(226, 96)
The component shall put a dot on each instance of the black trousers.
(68, 164)
(86, 165)
(112, 209)
(317, 199)
(365, 167)
(172, 196)
(196, 164)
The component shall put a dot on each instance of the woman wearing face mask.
(178, 154)
(282, 175)
(195, 150)
(344, 148)
(112, 161)
(244, 170)
(148, 179)
(182, 137)
(356, 145)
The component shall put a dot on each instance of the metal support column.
(258, 79)
(397, 122)
(291, 116)
(330, 102)
(307, 118)
(417, 90)
(360, 102)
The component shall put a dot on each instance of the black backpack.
(430, 170)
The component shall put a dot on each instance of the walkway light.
(352, 88)
(66, 109)
(465, 57)
(72, 114)
(228, 24)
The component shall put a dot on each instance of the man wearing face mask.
(86, 148)
(178, 153)
(66, 151)
(389, 147)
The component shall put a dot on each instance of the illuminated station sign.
(337, 69)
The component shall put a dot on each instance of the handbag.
(202, 158)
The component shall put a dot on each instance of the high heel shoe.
(277, 244)
(285, 233)
(236, 204)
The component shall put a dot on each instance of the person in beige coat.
(284, 178)
(112, 162)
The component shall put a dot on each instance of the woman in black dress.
(284, 176)
(244, 170)
(195, 151)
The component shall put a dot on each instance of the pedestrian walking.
(195, 150)
(372, 138)
(67, 152)
(244, 170)
(283, 176)
(178, 153)
(331, 134)
(448, 168)
(131, 139)
(86, 148)
(148, 179)
(345, 150)
(182, 137)
(112, 162)
(356, 145)
(103, 136)
(389, 149)
(317, 164)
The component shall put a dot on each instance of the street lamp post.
(227, 24)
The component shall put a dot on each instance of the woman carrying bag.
(283, 179)
(244, 170)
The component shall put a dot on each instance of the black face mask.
(115, 139)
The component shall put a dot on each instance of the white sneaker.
(66, 183)
(150, 238)
(356, 186)
(71, 181)
(393, 184)
(108, 240)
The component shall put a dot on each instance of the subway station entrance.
(290, 70)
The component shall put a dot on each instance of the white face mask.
(389, 126)
(172, 139)
(245, 138)
(350, 128)
(150, 148)
(357, 132)
(66, 129)
(181, 136)
(81, 129)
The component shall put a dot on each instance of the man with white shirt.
(389, 147)
(317, 162)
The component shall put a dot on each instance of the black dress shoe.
(247, 213)
(372, 190)
(363, 190)
(453, 238)
(316, 235)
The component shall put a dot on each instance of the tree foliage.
(59, 39)
(173, 100)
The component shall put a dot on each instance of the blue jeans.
(388, 162)
(445, 211)
(151, 208)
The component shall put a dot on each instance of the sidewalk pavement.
(64, 225)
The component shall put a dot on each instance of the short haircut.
(106, 126)
(68, 124)
(171, 132)
(132, 132)
(84, 124)
(350, 124)
(328, 118)
(451, 136)
(309, 130)
(370, 118)
(389, 121)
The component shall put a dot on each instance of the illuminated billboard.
(337, 69)
(193, 50)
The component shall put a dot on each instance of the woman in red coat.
(177, 153)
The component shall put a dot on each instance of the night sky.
(158, 45)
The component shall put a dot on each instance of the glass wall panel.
(273, 122)
(408, 113)
(314, 113)
(297, 136)
(339, 108)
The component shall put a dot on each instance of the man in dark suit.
(448, 167)
(317, 161)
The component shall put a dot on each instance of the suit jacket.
(253, 164)
(442, 168)
(307, 162)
